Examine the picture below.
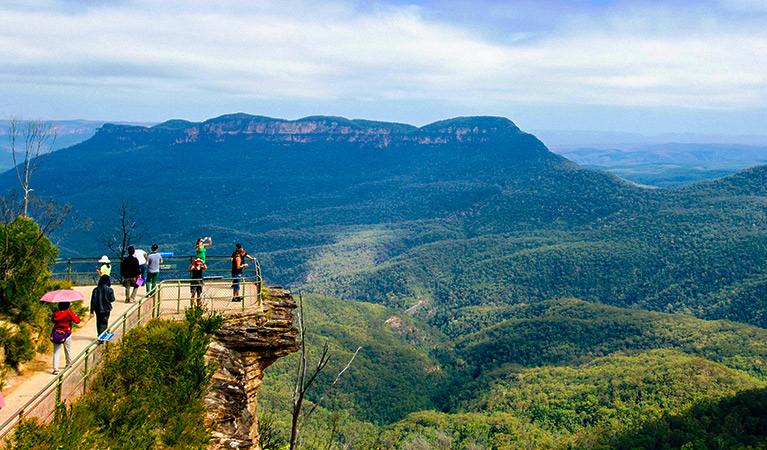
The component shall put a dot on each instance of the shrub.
(147, 393)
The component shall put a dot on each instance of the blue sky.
(638, 66)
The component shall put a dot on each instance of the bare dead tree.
(31, 142)
(50, 215)
(130, 229)
(304, 380)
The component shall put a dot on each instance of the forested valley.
(504, 297)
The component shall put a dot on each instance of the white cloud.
(299, 50)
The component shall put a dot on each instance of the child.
(62, 334)
(106, 268)
(195, 269)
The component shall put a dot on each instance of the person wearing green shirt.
(202, 246)
(105, 269)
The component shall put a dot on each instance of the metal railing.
(169, 299)
(82, 271)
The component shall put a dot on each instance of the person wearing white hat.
(105, 269)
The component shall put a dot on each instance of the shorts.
(195, 288)
(236, 281)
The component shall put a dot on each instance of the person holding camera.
(202, 246)
(195, 286)
(237, 266)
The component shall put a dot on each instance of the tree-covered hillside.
(467, 211)
(459, 250)
(559, 374)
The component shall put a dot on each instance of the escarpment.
(243, 348)
(243, 127)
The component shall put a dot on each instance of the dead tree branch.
(303, 384)
(38, 141)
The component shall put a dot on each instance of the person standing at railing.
(105, 269)
(237, 266)
(130, 271)
(62, 334)
(141, 256)
(202, 246)
(102, 298)
(237, 248)
(195, 286)
(153, 262)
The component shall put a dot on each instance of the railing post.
(259, 284)
(85, 369)
(159, 300)
(69, 270)
(57, 407)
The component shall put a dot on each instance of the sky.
(631, 66)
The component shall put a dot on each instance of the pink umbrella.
(62, 295)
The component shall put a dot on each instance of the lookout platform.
(35, 391)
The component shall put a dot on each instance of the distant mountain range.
(670, 164)
(664, 160)
(557, 140)
(70, 132)
(498, 285)
(412, 217)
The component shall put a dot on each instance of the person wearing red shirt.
(62, 324)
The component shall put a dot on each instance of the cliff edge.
(243, 348)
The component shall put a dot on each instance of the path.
(38, 373)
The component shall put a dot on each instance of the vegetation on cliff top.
(147, 394)
(25, 323)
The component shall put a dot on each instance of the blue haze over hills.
(663, 160)
(487, 278)
(403, 215)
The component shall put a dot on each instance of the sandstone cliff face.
(311, 129)
(244, 347)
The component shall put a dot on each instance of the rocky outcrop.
(245, 127)
(244, 347)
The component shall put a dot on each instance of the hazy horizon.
(634, 66)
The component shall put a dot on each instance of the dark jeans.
(151, 277)
(102, 322)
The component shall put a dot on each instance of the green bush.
(19, 348)
(25, 256)
(148, 393)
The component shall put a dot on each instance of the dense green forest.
(147, 394)
(558, 374)
(468, 211)
(504, 296)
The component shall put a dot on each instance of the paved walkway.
(38, 373)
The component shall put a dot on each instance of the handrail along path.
(169, 299)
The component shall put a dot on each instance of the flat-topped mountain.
(312, 129)
(460, 212)
(229, 129)
(257, 175)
